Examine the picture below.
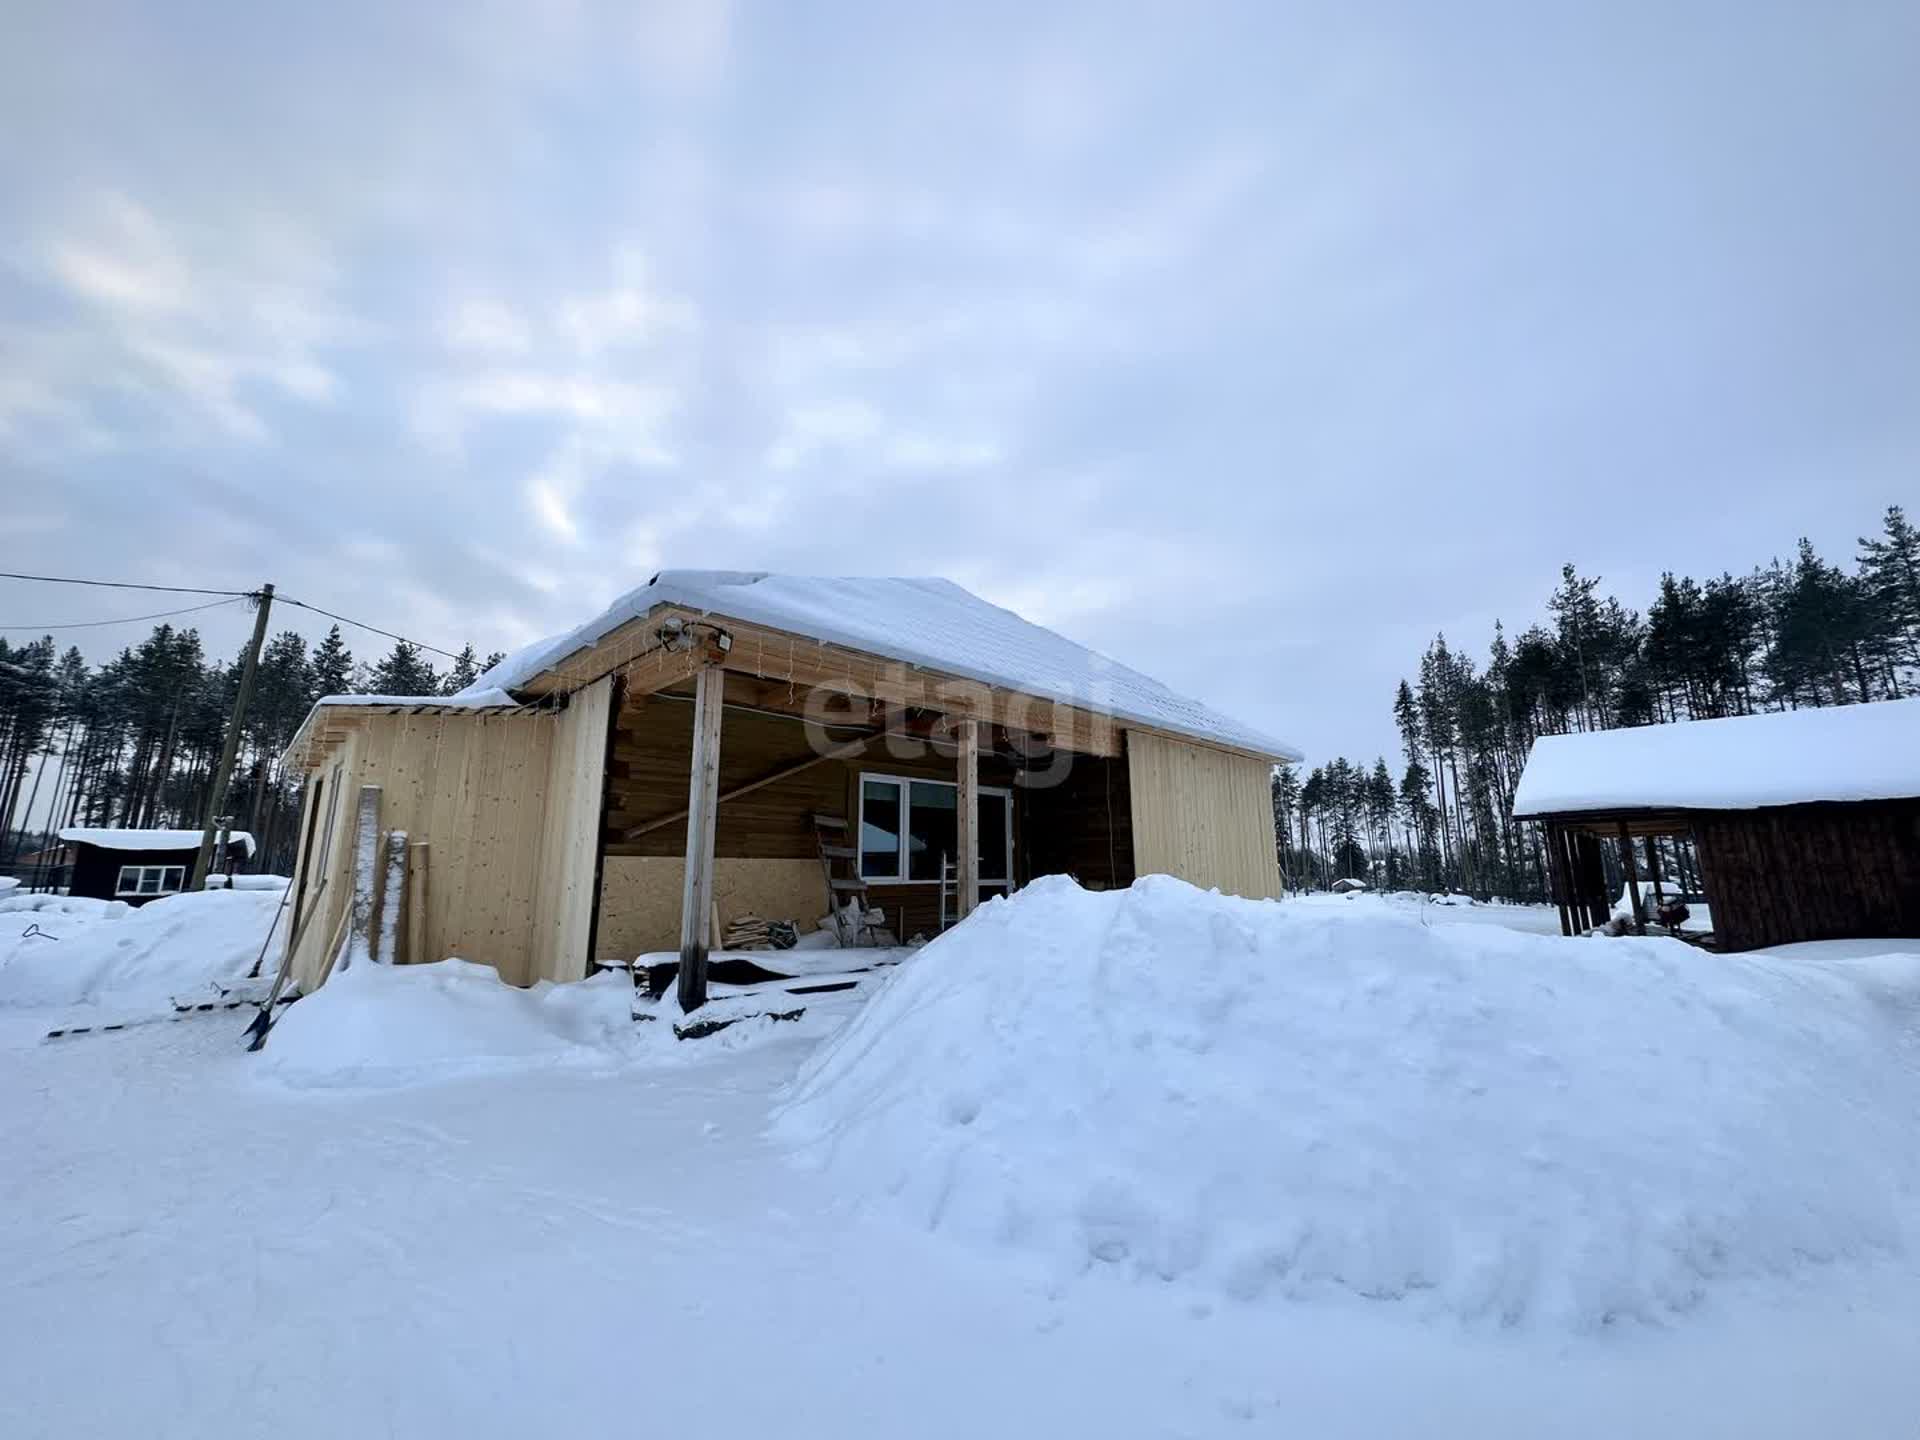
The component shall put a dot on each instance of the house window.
(908, 827)
(151, 880)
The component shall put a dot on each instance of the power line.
(128, 585)
(362, 625)
(196, 590)
(124, 620)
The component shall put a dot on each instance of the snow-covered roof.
(928, 622)
(472, 698)
(110, 839)
(1795, 757)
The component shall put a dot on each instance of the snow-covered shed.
(139, 865)
(723, 743)
(1806, 822)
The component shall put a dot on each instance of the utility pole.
(222, 777)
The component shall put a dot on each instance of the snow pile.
(106, 952)
(1274, 1099)
(382, 1025)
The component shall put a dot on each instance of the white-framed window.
(151, 880)
(908, 826)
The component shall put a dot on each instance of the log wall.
(1812, 872)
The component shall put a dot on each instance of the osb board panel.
(472, 787)
(576, 770)
(640, 898)
(1203, 815)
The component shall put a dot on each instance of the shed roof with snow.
(1744, 762)
(106, 838)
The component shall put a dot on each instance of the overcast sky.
(1250, 344)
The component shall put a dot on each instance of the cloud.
(174, 330)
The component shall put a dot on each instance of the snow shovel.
(260, 959)
(263, 1022)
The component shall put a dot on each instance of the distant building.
(1348, 886)
(140, 865)
(1806, 822)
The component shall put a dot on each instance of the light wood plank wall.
(1203, 815)
(476, 788)
(570, 835)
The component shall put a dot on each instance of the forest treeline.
(134, 742)
(1788, 634)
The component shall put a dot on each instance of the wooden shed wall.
(474, 787)
(1203, 815)
(570, 835)
(1812, 872)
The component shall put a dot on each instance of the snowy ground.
(611, 1240)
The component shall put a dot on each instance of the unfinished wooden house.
(1806, 823)
(720, 744)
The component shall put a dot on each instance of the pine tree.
(332, 666)
(462, 674)
(1890, 577)
(403, 672)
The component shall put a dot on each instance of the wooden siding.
(1812, 872)
(1081, 825)
(653, 749)
(474, 788)
(1202, 814)
(570, 834)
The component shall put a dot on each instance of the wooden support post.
(703, 797)
(417, 904)
(1653, 871)
(1633, 880)
(1557, 875)
(366, 854)
(393, 900)
(967, 815)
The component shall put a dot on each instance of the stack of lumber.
(747, 932)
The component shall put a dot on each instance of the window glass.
(993, 837)
(933, 829)
(150, 880)
(880, 829)
(129, 881)
(173, 878)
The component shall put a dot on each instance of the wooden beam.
(1633, 879)
(838, 752)
(967, 814)
(366, 853)
(703, 794)
(393, 900)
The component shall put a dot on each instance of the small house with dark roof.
(139, 865)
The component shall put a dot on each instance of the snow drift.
(381, 1025)
(97, 952)
(1275, 1099)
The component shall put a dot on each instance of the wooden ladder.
(839, 868)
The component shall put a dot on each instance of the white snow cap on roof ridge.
(107, 838)
(1742, 762)
(923, 621)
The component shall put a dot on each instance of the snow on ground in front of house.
(197, 1247)
(1255, 1102)
(58, 951)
